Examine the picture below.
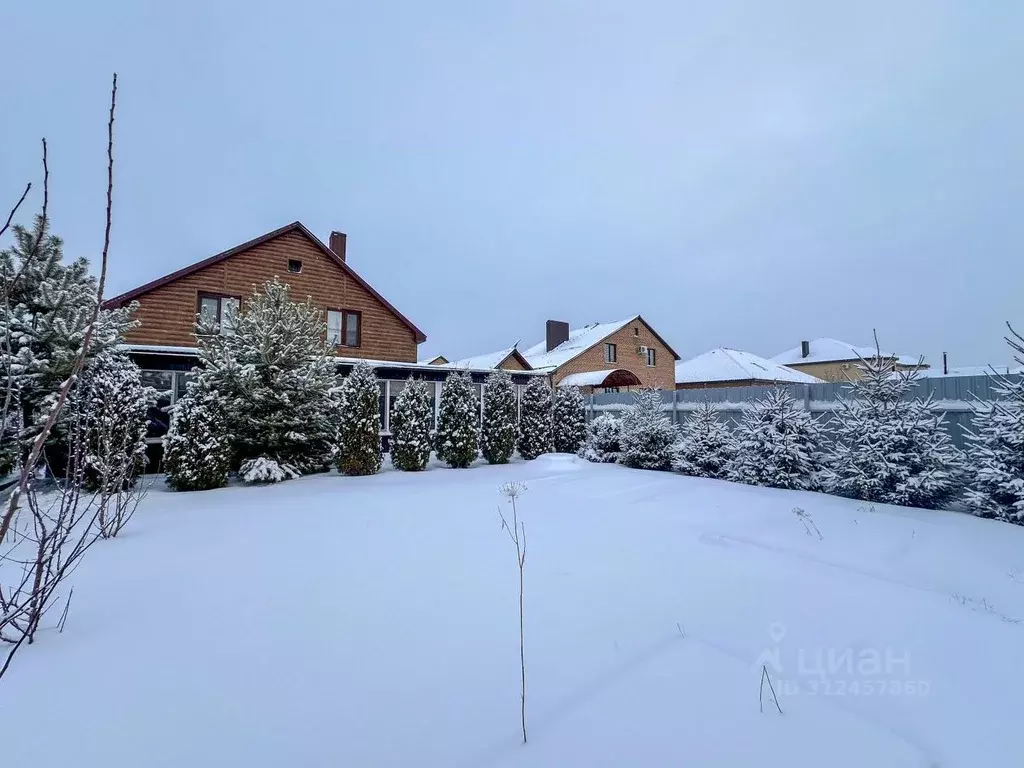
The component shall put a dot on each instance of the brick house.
(358, 321)
(597, 357)
(832, 360)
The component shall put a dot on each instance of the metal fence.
(954, 396)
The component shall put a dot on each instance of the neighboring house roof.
(435, 360)
(295, 226)
(491, 360)
(724, 364)
(579, 341)
(827, 350)
(617, 377)
(972, 370)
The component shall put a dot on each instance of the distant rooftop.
(827, 350)
(725, 364)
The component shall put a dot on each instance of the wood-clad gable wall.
(168, 313)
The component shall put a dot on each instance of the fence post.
(591, 408)
(675, 406)
(807, 397)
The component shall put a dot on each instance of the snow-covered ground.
(373, 621)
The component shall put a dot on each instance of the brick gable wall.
(167, 313)
(662, 375)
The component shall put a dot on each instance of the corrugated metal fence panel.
(952, 395)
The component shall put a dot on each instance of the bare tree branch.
(29, 466)
(14, 210)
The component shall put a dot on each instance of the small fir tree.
(359, 433)
(498, 436)
(272, 366)
(602, 444)
(891, 448)
(458, 426)
(569, 420)
(706, 446)
(648, 438)
(535, 419)
(996, 448)
(411, 417)
(112, 403)
(778, 445)
(197, 447)
(47, 308)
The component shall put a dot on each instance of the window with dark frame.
(294, 265)
(652, 359)
(344, 327)
(220, 308)
(610, 353)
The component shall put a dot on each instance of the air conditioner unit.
(641, 350)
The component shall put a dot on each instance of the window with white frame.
(652, 359)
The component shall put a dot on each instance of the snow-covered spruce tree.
(410, 426)
(276, 376)
(498, 436)
(996, 448)
(112, 402)
(890, 448)
(602, 445)
(648, 438)
(359, 432)
(197, 447)
(569, 420)
(706, 446)
(47, 307)
(778, 445)
(458, 425)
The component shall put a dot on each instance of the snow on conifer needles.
(535, 419)
(458, 425)
(498, 436)
(411, 417)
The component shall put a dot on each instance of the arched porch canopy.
(615, 377)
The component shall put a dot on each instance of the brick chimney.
(805, 346)
(337, 244)
(556, 332)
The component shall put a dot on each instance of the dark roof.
(295, 226)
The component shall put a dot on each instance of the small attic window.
(636, 331)
(294, 265)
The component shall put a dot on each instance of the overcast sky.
(744, 174)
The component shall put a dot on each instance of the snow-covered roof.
(724, 364)
(586, 379)
(971, 370)
(158, 349)
(826, 350)
(579, 341)
(482, 362)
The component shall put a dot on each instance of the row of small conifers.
(882, 445)
(266, 402)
